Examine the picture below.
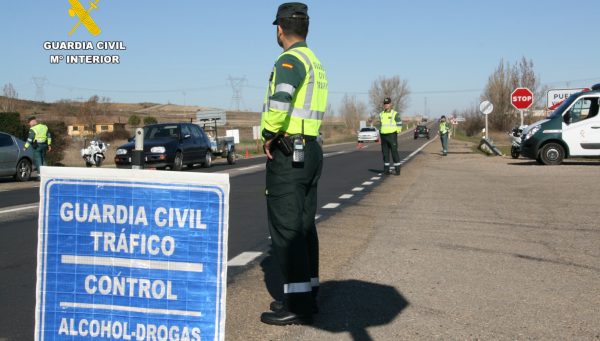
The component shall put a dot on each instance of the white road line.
(127, 308)
(367, 183)
(318, 216)
(357, 189)
(243, 258)
(376, 178)
(331, 205)
(248, 168)
(346, 196)
(19, 208)
(416, 151)
(335, 153)
(131, 263)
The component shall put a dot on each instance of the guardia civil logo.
(77, 10)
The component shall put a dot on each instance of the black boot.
(284, 317)
(386, 170)
(397, 170)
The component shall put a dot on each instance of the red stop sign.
(521, 98)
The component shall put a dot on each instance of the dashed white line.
(243, 258)
(331, 205)
(367, 183)
(249, 167)
(346, 196)
(376, 178)
(357, 189)
(317, 217)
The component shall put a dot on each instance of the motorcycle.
(94, 154)
(515, 134)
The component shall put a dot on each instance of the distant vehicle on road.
(223, 146)
(572, 130)
(14, 161)
(421, 131)
(169, 145)
(368, 134)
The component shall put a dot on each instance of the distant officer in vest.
(444, 129)
(391, 125)
(40, 139)
(295, 103)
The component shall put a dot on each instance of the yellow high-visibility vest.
(309, 101)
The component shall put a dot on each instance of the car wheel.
(207, 160)
(552, 154)
(231, 157)
(23, 170)
(178, 162)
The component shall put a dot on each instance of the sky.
(186, 51)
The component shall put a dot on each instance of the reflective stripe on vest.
(388, 124)
(309, 100)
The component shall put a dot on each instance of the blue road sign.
(124, 259)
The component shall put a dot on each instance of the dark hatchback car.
(169, 145)
(421, 131)
(14, 161)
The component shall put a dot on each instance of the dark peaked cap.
(291, 10)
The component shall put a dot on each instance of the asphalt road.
(348, 173)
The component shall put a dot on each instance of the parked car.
(169, 145)
(421, 131)
(368, 134)
(14, 161)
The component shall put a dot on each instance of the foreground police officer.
(294, 107)
(391, 125)
(40, 139)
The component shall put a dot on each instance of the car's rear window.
(367, 129)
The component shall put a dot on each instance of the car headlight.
(158, 150)
(121, 151)
(532, 132)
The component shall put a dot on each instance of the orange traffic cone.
(247, 154)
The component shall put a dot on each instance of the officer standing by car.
(444, 129)
(391, 125)
(40, 139)
(295, 103)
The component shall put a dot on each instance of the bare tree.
(394, 88)
(88, 112)
(501, 83)
(9, 102)
(352, 111)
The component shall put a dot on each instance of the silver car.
(14, 161)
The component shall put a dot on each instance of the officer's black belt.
(306, 137)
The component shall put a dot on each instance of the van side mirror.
(567, 117)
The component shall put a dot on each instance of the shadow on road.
(347, 306)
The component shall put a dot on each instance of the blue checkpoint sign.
(131, 255)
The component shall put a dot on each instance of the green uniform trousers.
(291, 208)
(389, 143)
(39, 155)
(444, 139)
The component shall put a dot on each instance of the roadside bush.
(58, 129)
(150, 120)
(10, 122)
(134, 120)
